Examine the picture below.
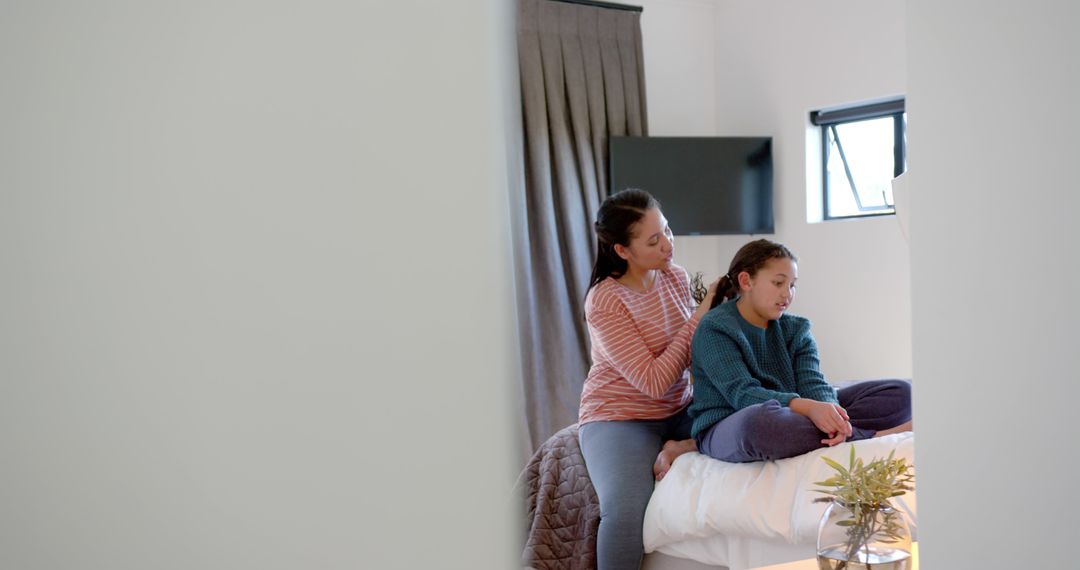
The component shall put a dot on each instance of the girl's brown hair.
(750, 258)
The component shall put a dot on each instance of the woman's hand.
(829, 418)
(706, 303)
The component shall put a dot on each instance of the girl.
(641, 318)
(759, 391)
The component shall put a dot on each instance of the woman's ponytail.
(607, 263)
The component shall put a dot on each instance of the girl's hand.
(706, 303)
(829, 418)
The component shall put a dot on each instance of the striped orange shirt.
(640, 349)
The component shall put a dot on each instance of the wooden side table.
(811, 563)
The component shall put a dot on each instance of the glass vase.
(863, 537)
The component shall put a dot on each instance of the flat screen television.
(705, 185)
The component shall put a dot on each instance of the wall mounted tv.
(705, 185)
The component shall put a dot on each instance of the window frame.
(828, 119)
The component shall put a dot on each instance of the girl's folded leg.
(758, 433)
(877, 405)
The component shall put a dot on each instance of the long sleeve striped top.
(640, 349)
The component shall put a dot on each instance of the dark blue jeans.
(619, 456)
(771, 431)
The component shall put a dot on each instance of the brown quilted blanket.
(563, 512)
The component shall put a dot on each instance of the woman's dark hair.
(617, 214)
(750, 258)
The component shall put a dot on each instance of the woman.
(641, 318)
(759, 390)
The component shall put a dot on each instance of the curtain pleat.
(582, 80)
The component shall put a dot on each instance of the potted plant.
(861, 529)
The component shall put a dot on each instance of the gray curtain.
(582, 80)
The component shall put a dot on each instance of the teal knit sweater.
(736, 365)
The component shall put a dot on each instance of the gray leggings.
(771, 431)
(620, 456)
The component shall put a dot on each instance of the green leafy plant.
(865, 489)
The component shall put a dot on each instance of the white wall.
(993, 91)
(679, 38)
(253, 286)
(739, 68)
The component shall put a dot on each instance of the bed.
(705, 513)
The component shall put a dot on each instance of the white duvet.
(705, 508)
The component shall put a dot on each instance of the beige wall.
(993, 88)
(737, 68)
(254, 286)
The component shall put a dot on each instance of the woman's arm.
(615, 336)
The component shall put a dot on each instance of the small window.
(863, 147)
